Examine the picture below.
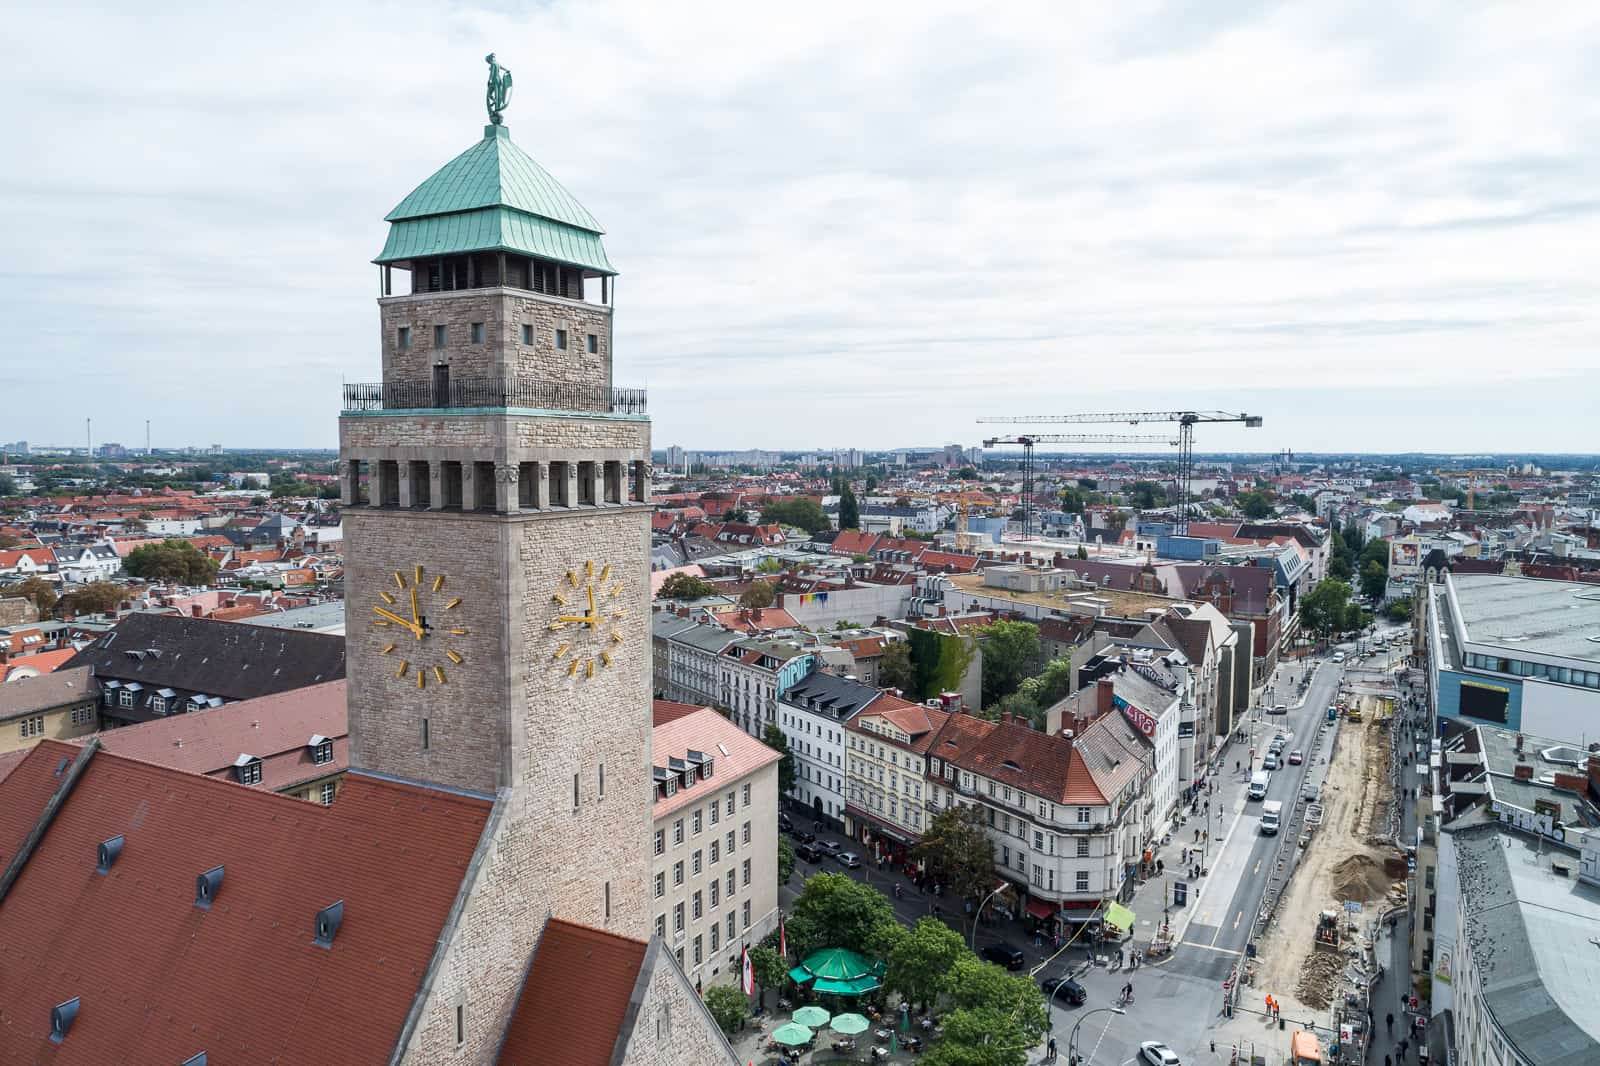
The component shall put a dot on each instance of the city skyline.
(1375, 233)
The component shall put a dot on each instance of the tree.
(1007, 649)
(1304, 502)
(802, 512)
(1339, 567)
(97, 597)
(835, 911)
(171, 560)
(972, 984)
(1255, 504)
(37, 591)
(728, 1005)
(1052, 684)
(739, 515)
(1083, 551)
(1147, 495)
(785, 860)
(768, 968)
(979, 1037)
(686, 587)
(8, 485)
(1323, 609)
(1398, 610)
(849, 510)
(1073, 499)
(919, 959)
(773, 738)
(770, 565)
(941, 661)
(757, 596)
(1374, 579)
(895, 669)
(967, 473)
(958, 852)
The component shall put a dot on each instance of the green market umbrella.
(850, 1024)
(854, 986)
(841, 963)
(792, 1034)
(812, 1016)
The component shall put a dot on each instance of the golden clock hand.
(594, 617)
(397, 620)
(572, 618)
(416, 616)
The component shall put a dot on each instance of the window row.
(1561, 675)
(473, 487)
(476, 334)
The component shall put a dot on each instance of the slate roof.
(594, 972)
(160, 979)
(834, 697)
(225, 659)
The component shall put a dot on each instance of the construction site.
(1316, 951)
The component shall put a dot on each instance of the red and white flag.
(749, 974)
(783, 941)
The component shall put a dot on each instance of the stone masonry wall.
(673, 1027)
(406, 433)
(502, 312)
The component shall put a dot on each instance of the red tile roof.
(1040, 764)
(667, 711)
(274, 729)
(734, 754)
(854, 542)
(593, 973)
(159, 978)
(10, 759)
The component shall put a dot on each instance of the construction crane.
(1186, 422)
(1032, 439)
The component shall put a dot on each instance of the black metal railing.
(486, 392)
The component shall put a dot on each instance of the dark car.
(808, 852)
(785, 823)
(801, 836)
(1064, 989)
(832, 847)
(1004, 955)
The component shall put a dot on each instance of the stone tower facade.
(497, 540)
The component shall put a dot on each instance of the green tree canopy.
(35, 590)
(768, 967)
(1304, 502)
(835, 911)
(686, 587)
(785, 860)
(1398, 610)
(1324, 608)
(849, 509)
(958, 852)
(1052, 684)
(1374, 579)
(770, 565)
(972, 984)
(97, 597)
(1008, 647)
(941, 661)
(1147, 495)
(171, 560)
(894, 666)
(757, 596)
(919, 960)
(967, 473)
(979, 1037)
(1256, 503)
(728, 1005)
(773, 738)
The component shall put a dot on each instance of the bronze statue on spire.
(498, 94)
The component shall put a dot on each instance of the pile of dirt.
(1319, 975)
(1360, 877)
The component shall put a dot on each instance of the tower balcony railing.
(491, 392)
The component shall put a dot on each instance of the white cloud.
(837, 224)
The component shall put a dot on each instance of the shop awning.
(1040, 909)
(1119, 916)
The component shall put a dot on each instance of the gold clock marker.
(561, 651)
(459, 632)
(386, 597)
(414, 582)
(572, 668)
(452, 605)
(588, 568)
(387, 648)
(404, 666)
(422, 678)
(588, 668)
(438, 672)
(438, 583)
(419, 573)
(605, 574)
(399, 580)
(454, 656)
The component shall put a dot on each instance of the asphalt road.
(1221, 926)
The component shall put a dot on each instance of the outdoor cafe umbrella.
(839, 971)
(850, 1024)
(792, 1034)
(812, 1016)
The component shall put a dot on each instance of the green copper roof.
(494, 229)
(494, 173)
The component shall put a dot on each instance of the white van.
(1271, 816)
(1258, 784)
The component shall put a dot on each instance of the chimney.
(1519, 742)
(194, 610)
(1005, 717)
(1571, 782)
(1103, 693)
(1522, 772)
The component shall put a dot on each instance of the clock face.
(586, 627)
(422, 625)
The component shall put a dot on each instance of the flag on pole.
(783, 941)
(749, 974)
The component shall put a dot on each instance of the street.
(1177, 999)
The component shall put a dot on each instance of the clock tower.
(497, 535)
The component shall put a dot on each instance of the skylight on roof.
(724, 749)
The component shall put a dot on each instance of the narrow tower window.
(574, 791)
(440, 333)
(425, 739)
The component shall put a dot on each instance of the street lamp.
(973, 941)
(1072, 1038)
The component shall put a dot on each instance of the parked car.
(1277, 745)
(849, 859)
(1296, 757)
(1270, 762)
(1155, 1053)
(808, 852)
(1004, 955)
(1064, 988)
(801, 836)
(1338, 657)
(1278, 708)
(785, 823)
(832, 847)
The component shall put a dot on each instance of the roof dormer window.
(321, 750)
(249, 769)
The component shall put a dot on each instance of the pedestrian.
(1183, 855)
(1388, 1020)
(1160, 868)
(1388, 1060)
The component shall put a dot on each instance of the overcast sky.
(1376, 225)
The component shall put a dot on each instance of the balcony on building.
(445, 392)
